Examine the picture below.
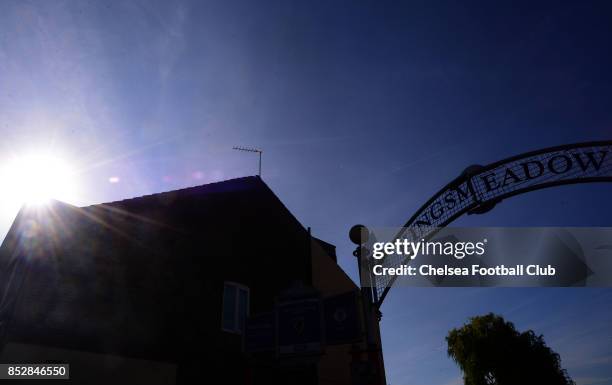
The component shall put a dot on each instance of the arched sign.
(479, 188)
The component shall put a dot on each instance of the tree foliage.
(490, 351)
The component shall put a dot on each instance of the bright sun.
(35, 179)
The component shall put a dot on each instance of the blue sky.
(363, 109)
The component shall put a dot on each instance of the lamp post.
(359, 235)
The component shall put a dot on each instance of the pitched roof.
(230, 185)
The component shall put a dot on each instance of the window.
(235, 307)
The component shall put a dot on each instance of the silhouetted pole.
(359, 235)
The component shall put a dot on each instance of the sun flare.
(36, 178)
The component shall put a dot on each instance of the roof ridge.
(184, 189)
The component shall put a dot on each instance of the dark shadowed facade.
(157, 289)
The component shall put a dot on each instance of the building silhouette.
(171, 288)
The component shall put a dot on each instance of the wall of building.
(335, 364)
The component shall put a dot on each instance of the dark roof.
(328, 248)
(230, 185)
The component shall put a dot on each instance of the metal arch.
(478, 189)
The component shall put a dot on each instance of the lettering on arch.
(479, 188)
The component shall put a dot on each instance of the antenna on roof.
(248, 149)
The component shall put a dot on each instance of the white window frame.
(237, 287)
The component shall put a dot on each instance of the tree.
(490, 351)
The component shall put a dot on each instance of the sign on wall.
(341, 314)
(299, 327)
